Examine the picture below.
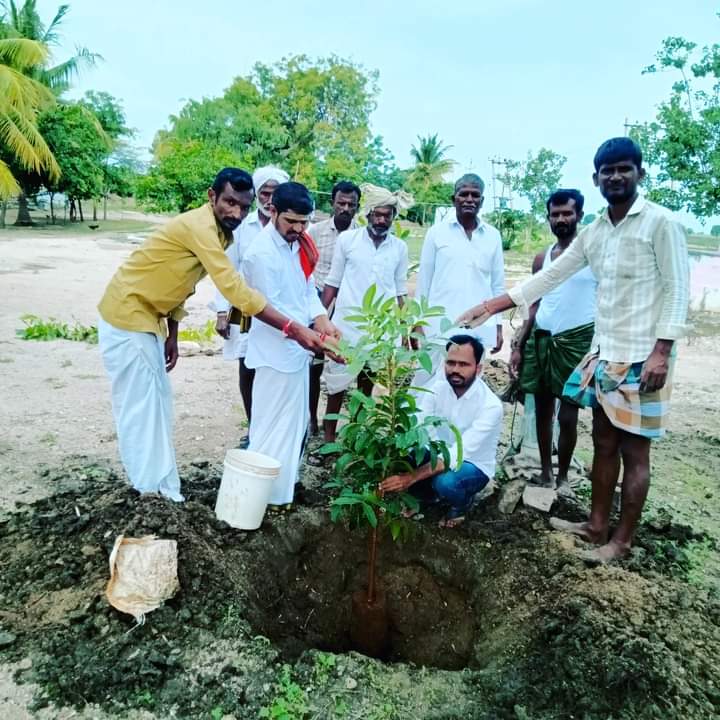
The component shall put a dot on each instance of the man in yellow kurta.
(139, 316)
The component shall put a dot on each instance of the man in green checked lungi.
(554, 339)
(638, 253)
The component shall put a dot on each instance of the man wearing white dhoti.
(279, 263)
(462, 258)
(362, 257)
(139, 316)
(230, 323)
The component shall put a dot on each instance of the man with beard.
(468, 403)
(345, 200)
(363, 257)
(279, 263)
(139, 316)
(554, 339)
(461, 260)
(231, 324)
(638, 252)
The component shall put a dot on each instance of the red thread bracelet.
(286, 328)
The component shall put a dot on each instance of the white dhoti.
(279, 420)
(235, 347)
(143, 408)
(337, 377)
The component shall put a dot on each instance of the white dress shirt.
(477, 415)
(357, 264)
(458, 273)
(643, 280)
(243, 235)
(325, 235)
(273, 264)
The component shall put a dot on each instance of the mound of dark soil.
(505, 619)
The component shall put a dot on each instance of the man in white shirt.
(463, 398)
(280, 261)
(461, 260)
(345, 201)
(638, 252)
(230, 322)
(362, 257)
(554, 339)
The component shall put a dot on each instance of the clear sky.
(492, 77)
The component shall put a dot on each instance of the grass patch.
(204, 334)
(52, 329)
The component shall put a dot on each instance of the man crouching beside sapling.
(468, 403)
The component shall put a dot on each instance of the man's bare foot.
(582, 530)
(453, 519)
(605, 554)
(544, 481)
(564, 490)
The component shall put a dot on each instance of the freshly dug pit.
(430, 592)
(536, 632)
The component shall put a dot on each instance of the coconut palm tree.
(21, 98)
(23, 22)
(430, 161)
(431, 165)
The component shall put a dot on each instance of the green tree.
(535, 178)
(425, 178)
(715, 231)
(588, 218)
(179, 178)
(309, 117)
(120, 164)
(81, 148)
(682, 144)
(24, 22)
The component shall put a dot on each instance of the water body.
(705, 282)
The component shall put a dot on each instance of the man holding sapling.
(463, 398)
(638, 252)
(363, 257)
(280, 263)
(231, 324)
(139, 317)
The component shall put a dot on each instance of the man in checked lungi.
(638, 252)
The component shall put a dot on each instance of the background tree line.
(311, 117)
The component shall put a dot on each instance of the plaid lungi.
(615, 387)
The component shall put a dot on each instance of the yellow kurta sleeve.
(178, 313)
(227, 280)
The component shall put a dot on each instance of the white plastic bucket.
(245, 488)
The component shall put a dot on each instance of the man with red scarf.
(279, 263)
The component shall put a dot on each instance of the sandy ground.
(56, 397)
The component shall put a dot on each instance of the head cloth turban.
(263, 174)
(375, 197)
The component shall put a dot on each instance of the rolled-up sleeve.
(227, 280)
(671, 255)
(524, 294)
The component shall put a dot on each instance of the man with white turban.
(364, 256)
(230, 323)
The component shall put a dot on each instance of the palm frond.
(50, 36)
(26, 144)
(22, 53)
(9, 186)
